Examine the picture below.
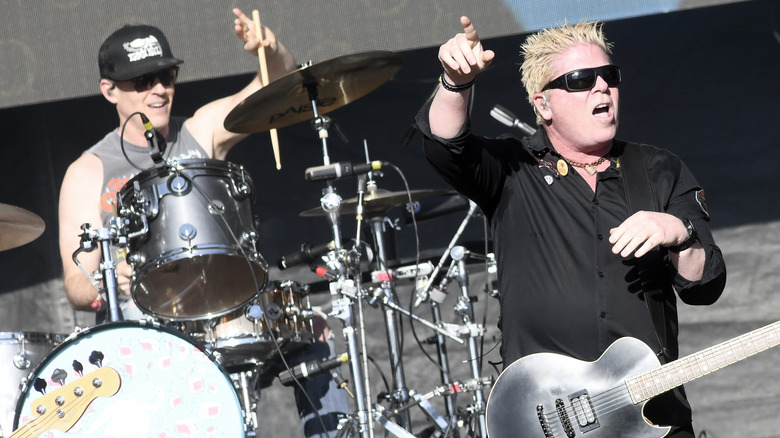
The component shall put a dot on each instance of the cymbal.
(18, 226)
(338, 82)
(378, 201)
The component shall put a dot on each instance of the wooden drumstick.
(264, 80)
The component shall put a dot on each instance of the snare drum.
(169, 386)
(192, 239)
(20, 352)
(280, 315)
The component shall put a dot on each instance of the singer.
(138, 73)
(579, 266)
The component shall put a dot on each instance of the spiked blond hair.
(540, 50)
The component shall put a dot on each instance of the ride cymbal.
(378, 201)
(336, 82)
(18, 226)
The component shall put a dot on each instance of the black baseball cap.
(134, 50)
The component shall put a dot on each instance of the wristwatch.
(693, 236)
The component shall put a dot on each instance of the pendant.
(590, 169)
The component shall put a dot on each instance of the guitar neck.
(650, 384)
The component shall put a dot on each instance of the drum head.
(169, 386)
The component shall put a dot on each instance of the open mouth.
(601, 109)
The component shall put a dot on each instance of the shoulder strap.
(639, 196)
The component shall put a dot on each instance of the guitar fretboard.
(647, 385)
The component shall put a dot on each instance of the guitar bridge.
(583, 411)
(543, 422)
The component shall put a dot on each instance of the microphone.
(305, 370)
(156, 140)
(306, 254)
(340, 170)
(507, 118)
(460, 253)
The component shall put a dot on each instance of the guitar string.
(604, 402)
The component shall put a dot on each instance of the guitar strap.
(639, 196)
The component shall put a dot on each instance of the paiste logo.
(142, 48)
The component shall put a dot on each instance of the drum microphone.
(306, 254)
(340, 170)
(305, 370)
(156, 140)
(504, 116)
(460, 253)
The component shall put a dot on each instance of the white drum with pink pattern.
(170, 387)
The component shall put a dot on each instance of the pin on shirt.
(545, 165)
(563, 167)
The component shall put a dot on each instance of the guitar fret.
(651, 383)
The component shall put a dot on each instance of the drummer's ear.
(107, 88)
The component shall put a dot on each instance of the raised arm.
(206, 125)
(462, 58)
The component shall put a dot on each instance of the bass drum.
(169, 386)
(192, 239)
(20, 352)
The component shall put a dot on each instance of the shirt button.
(603, 315)
(600, 274)
(596, 201)
(600, 237)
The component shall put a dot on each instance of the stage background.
(701, 81)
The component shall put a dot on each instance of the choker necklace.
(589, 167)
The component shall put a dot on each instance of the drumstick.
(264, 80)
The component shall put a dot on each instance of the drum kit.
(215, 320)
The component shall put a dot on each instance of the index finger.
(469, 29)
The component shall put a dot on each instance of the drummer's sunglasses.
(585, 78)
(147, 81)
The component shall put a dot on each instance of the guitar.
(549, 395)
(61, 409)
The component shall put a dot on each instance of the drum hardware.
(469, 329)
(242, 382)
(18, 226)
(114, 235)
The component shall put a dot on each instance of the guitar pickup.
(583, 411)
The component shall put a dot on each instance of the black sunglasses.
(147, 81)
(585, 78)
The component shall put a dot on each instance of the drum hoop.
(205, 166)
(80, 332)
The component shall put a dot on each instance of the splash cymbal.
(337, 82)
(378, 201)
(18, 226)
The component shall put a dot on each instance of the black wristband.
(455, 88)
(693, 236)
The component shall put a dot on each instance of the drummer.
(137, 74)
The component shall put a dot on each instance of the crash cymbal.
(378, 201)
(338, 82)
(18, 226)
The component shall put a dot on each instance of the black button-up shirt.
(562, 289)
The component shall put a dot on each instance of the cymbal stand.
(465, 310)
(113, 235)
(348, 290)
(400, 395)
